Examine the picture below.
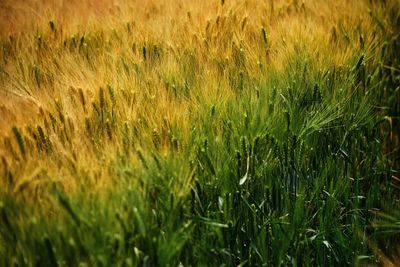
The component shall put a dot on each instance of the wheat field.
(199, 133)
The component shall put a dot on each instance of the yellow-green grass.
(179, 120)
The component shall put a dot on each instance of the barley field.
(199, 133)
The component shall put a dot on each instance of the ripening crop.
(199, 133)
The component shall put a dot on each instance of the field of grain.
(199, 133)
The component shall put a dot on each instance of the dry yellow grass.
(53, 50)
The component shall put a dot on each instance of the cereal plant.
(199, 133)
